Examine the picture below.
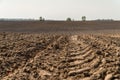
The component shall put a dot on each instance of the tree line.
(68, 19)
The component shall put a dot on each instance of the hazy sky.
(60, 9)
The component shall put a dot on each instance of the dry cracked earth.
(25, 56)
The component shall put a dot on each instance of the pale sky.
(60, 9)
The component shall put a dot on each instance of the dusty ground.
(60, 56)
(58, 50)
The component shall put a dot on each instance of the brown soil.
(80, 56)
(57, 26)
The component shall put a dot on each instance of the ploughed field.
(79, 56)
(57, 26)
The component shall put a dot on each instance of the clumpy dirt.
(59, 56)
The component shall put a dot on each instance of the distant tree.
(41, 19)
(68, 19)
(83, 18)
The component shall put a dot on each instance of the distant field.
(57, 26)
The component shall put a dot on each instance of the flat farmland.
(57, 26)
(59, 50)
